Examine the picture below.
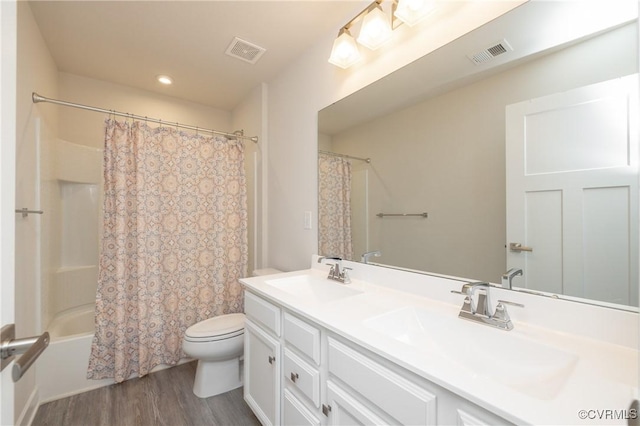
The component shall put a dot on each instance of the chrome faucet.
(335, 273)
(508, 276)
(482, 304)
(365, 256)
(477, 306)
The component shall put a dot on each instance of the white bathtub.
(73, 322)
(61, 370)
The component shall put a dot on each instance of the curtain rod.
(368, 160)
(235, 135)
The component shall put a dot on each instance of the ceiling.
(131, 42)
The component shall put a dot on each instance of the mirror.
(435, 133)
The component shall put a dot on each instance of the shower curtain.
(174, 243)
(334, 206)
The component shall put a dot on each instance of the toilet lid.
(217, 326)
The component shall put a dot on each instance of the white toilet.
(218, 345)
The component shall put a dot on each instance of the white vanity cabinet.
(365, 388)
(396, 399)
(454, 410)
(262, 360)
(321, 378)
(301, 373)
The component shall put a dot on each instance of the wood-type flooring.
(163, 398)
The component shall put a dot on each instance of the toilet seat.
(217, 328)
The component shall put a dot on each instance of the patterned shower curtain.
(174, 244)
(334, 206)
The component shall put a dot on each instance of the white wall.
(36, 69)
(250, 116)
(8, 61)
(310, 84)
(446, 156)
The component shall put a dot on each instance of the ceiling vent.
(245, 51)
(490, 52)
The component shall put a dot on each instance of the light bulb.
(345, 50)
(376, 29)
(412, 11)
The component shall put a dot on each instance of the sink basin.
(525, 365)
(313, 289)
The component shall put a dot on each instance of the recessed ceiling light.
(165, 79)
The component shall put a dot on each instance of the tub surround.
(593, 350)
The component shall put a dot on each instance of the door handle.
(519, 247)
(30, 348)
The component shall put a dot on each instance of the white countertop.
(598, 376)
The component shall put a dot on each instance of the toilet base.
(216, 377)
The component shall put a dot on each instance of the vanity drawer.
(302, 376)
(263, 312)
(398, 397)
(303, 336)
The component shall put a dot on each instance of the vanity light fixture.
(345, 50)
(376, 28)
(164, 79)
(413, 11)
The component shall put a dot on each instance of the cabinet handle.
(271, 359)
(326, 409)
(294, 377)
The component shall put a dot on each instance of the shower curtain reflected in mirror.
(174, 244)
(334, 206)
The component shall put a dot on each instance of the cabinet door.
(343, 409)
(262, 374)
(294, 412)
(455, 410)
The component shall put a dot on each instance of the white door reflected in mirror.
(572, 191)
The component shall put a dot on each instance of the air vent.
(245, 51)
(490, 52)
